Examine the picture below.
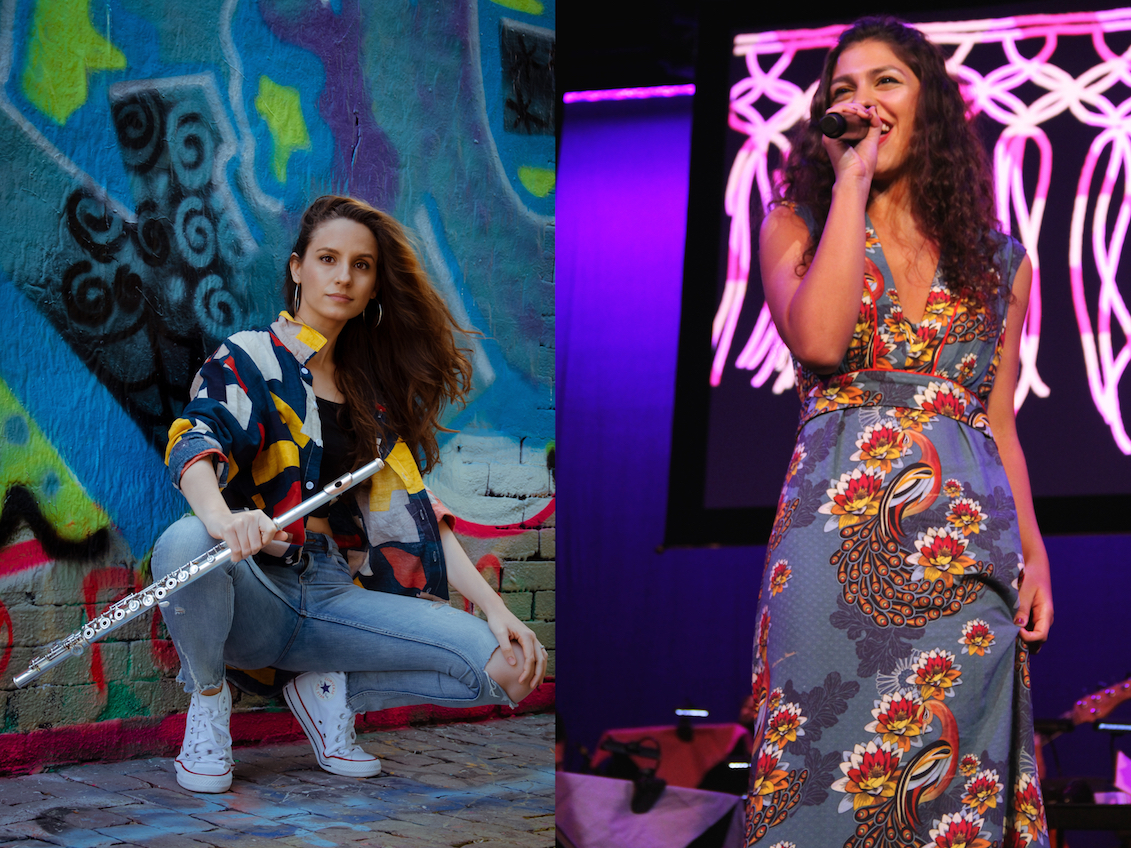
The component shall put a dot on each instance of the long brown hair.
(951, 185)
(409, 363)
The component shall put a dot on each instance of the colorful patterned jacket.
(254, 412)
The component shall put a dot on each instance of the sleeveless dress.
(891, 686)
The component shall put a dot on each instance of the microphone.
(845, 127)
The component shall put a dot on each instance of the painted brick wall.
(157, 154)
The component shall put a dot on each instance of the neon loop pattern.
(764, 105)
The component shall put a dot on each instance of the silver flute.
(139, 603)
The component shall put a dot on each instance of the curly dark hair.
(952, 195)
(410, 362)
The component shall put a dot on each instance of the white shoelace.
(208, 736)
(345, 734)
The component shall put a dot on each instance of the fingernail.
(512, 660)
(1019, 620)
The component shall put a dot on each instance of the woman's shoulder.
(1009, 253)
(251, 352)
(790, 217)
(256, 338)
(793, 215)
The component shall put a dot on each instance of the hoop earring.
(296, 301)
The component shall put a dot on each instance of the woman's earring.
(380, 314)
(296, 301)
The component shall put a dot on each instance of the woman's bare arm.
(815, 311)
(245, 532)
(466, 579)
(1035, 610)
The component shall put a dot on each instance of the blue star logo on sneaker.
(325, 689)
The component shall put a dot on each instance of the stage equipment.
(647, 788)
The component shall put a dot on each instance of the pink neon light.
(629, 93)
(999, 95)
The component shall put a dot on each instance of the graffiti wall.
(157, 154)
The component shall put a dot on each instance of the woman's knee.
(183, 541)
(507, 675)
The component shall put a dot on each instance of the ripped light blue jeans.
(398, 651)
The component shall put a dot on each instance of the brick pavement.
(489, 784)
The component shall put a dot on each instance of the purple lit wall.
(642, 632)
(645, 631)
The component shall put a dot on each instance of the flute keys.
(193, 568)
(103, 623)
(119, 614)
(89, 633)
(170, 582)
(182, 575)
(134, 605)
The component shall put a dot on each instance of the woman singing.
(361, 366)
(906, 580)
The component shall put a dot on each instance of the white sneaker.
(318, 701)
(205, 761)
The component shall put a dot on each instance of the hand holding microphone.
(844, 127)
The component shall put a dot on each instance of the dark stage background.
(642, 632)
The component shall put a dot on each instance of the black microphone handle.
(833, 125)
(849, 128)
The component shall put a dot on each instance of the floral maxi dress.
(891, 686)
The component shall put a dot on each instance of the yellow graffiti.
(537, 181)
(531, 7)
(281, 107)
(62, 48)
(28, 459)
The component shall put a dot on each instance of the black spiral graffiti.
(127, 289)
(153, 236)
(144, 302)
(89, 298)
(191, 143)
(231, 245)
(139, 122)
(98, 231)
(195, 232)
(216, 307)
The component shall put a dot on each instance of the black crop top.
(337, 443)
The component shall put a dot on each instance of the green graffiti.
(531, 7)
(62, 48)
(121, 703)
(537, 181)
(28, 459)
(281, 107)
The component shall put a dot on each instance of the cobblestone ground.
(484, 784)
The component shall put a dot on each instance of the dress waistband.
(922, 396)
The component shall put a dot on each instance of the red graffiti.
(491, 569)
(124, 580)
(22, 556)
(490, 531)
(164, 654)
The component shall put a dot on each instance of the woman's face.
(337, 277)
(870, 74)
